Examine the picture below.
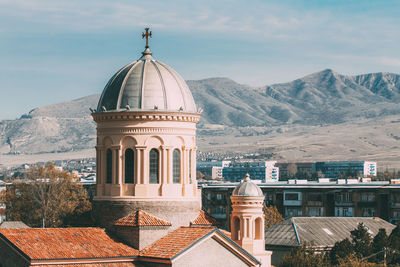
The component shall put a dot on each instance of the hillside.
(232, 110)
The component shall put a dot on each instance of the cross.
(146, 35)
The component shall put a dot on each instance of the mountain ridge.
(320, 98)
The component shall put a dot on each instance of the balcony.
(367, 203)
(315, 203)
(344, 204)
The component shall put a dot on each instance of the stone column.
(140, 161)
(116, 167)
(100, 170)
(166, 171)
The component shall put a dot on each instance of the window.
(291, 196)
(129, 166)
(176, 167)
(109, 166)
(236, 229)
(259, 228)
(367, 197)
(154, 174)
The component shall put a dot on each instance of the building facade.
(263, 171)
(293, 198)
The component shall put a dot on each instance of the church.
(147, 204)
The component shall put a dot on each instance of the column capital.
(116, 147)
(140, 147)
(99, 147)
(166, 147)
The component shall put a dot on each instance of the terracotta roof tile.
(141, 218)
(228, 234)
(114, 264)
(175, 242)
(66, 243)
(204, 219)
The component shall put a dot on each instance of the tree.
(46, 197)
(394, 244)
(353, 261)
(304, 257)
(341, 250)
(380, 243)
(272, 216)
(361, 240)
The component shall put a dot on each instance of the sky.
(53, 51)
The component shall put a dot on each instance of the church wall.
(140, 237)
(208, 253)
(9, 258)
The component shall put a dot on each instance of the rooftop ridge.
(141, 218)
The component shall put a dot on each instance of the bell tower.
(247, 220)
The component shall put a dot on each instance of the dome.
(247, 188)
(147, 84)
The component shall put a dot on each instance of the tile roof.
(175, 242)
(66, 243)
(141, 218)
(204, 219)
(321, 231)
(112, 264)
(228, 234)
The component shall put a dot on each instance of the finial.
(247, 177)
(146, 35)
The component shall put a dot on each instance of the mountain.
(322, 98)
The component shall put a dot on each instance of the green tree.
(272, 216)
(304, 257)
(47, 197)
(341, 250)
(394, 244)
(379, 243)
(361, 240)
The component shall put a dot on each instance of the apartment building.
(294, 198)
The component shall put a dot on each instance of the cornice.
(145, 116)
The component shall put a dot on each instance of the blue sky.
(53, 51)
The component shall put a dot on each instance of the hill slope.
(322, 98)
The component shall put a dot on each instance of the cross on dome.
(146, 35)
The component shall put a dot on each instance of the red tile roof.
(228, 234)
(141, 218)
(175, 242)
(204, 219)
(114, 264)
(66, 243)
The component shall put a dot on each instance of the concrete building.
(146, 189)
(351, 198)
(263, 171)
(332, 169)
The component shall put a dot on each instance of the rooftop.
(204, 219)
(176, 242)
(66, 243)
(320, 231)
(141, 218)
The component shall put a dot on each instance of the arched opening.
(176, 167)
(154, 170)
(236, 229)
(259, 228)
(129, 166)
(109, 166)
